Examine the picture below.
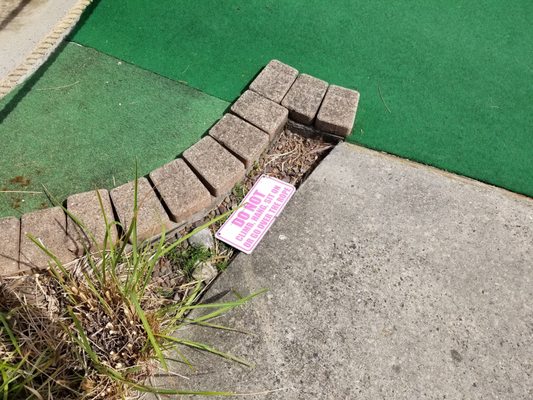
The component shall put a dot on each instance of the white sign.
(259, 209)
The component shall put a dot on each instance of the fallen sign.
(245, 228)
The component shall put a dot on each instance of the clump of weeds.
(101, 326)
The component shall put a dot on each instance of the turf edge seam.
(188, 188)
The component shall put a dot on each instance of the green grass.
(82, 121)
(239, 191)
(444, 83)
(188, 259)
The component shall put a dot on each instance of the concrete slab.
(23, 24)
(388, 280)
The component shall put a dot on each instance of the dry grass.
(97, 329)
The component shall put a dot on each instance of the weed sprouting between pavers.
(188, 259)
(108, 328)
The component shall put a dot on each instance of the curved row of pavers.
(187, 188)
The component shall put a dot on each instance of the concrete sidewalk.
(23, 24)
(388, 280)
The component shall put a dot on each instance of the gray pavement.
(23, 24)
(388, 280)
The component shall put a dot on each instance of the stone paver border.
(188, 188)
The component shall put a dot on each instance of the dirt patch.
(291, 158)
(20, 180)
(101, 313)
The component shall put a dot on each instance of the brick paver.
(261, 112)
(304, 98)
(152, 218)
(274, 80)
(9, 246)
(181, 190)
(245, 140)
(337, 113)
(86, 207)
(49, 227)
(219, 169)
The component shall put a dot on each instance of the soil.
(291, 158)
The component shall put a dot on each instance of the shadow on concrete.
(13, 13)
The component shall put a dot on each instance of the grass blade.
(207, 348)
(148, 330)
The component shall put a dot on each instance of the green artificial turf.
(86, 120)
(447, 83)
